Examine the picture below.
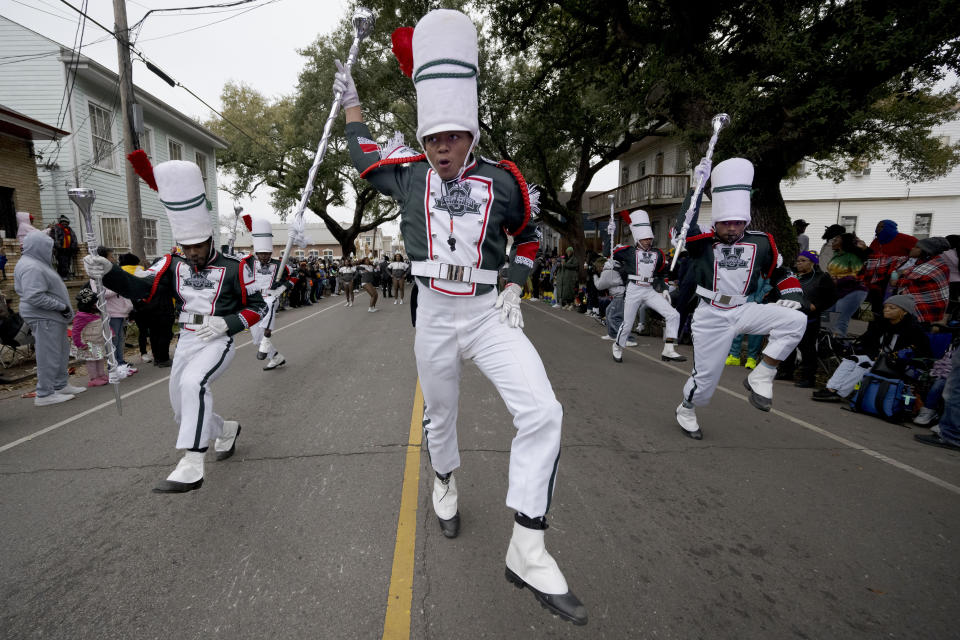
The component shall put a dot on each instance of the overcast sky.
(256, 44)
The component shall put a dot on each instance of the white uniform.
(642, 269)
(266, 276)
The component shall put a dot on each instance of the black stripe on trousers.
(273, 310)
(203, 384)
(553, 479)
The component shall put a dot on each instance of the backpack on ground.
(887, 398)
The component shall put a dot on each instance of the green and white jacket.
(489, 202)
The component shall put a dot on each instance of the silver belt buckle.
(456, 272)
(724, 299)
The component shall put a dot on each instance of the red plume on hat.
(403, 49)
(247, 221)
(143, 168)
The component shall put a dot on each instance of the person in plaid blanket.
(924, 275)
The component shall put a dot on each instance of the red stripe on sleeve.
(790, 282)
(251, 317)
(528, 249)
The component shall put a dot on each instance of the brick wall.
(19, 172)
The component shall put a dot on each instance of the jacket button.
(433, 235)
(434, 257)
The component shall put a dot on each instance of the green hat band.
(420, 75)
(185, 205)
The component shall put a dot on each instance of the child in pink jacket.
(87, 335)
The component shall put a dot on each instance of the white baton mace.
(363, 20)
(719, 121)
(84, 198)
(611, 226)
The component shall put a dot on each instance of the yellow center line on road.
(396, 623)
(923, 475)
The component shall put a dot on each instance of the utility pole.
(131, 139)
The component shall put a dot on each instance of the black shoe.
(677, 359)
(223, 455)
(450, 528)
(162, 365)
(696, 435)
(261, 355)
(804, 384)
(566, 605)
(825, 395)
(169, 486)
(935, 440)
(756, 399)
(784, 375)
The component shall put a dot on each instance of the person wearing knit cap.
(457, 210)
(727, 264)
(892, 332)
(216, 298)
(271, 286)
(826, 251)
(924, 275)
(820, 293)
(890, 242)
(642, 268)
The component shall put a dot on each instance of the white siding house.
(46, 80)
(655, 174)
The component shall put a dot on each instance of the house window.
(921, 225)
(298, 253)
(328, 253)
(658, 163)
(175, 150)
(860, 168)
(102, 134)
(624, 174)
(800, 169)
(642, 169)
(150, 237)
(681, 163)
(201, 160)
(115, 234)
(146, 143)
(314, 253)
(849, 223)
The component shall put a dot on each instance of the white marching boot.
(226, 444)
(445, 504)
(687, 419)
(617, 352)
(186, 477)
(275, 362)
(529, 565)
(264, 349)
(670, 353)
(760, 385)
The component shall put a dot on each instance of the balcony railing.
(653, 189)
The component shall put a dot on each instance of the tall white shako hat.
(262, 235)
(445, 67)
(732, 182)
(184, 196)
(640, 225)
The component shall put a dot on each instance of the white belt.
(192, 318)
(640, 279)
(721, 298)
(455, 272)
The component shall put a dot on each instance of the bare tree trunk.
(769, 213)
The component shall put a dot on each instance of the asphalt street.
(808, 521)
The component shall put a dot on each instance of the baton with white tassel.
(84, 198)
(611, 226)
(363, 20)
(719, 121)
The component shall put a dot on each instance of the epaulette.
(530, 193)
(393, 153)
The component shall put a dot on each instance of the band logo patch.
(367, 145)
(199, 281)
(457, 201)
(646, 257)
(732, 258)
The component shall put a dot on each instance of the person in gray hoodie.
(45, 307)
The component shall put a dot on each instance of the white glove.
(273, 293)
(214, 327)
(96, 266)
(509, 304)
(789, 304)
(703, 169)
(666, 296)
(343, 82)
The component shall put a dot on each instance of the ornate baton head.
(83, 198)
(363, 21)
(719, 121)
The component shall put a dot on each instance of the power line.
(49, 13)
(237, 15)
(209, 6)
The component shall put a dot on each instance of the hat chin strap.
(466, 159)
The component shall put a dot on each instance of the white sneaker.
(72, 390)
(127, 370)
(631, 342)
(617, 352)
(555, 306)
(605, 337)
(395, 301)
(401, 300)
(373, 310)
(146, 357)
(925, 417)
(53, 398)
(687, 419)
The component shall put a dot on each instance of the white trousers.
(640, 295)
(848, 374)
(714, 329)
(450, 329)
(267, 322)
(196, 364)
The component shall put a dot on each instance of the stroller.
(15, 335)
